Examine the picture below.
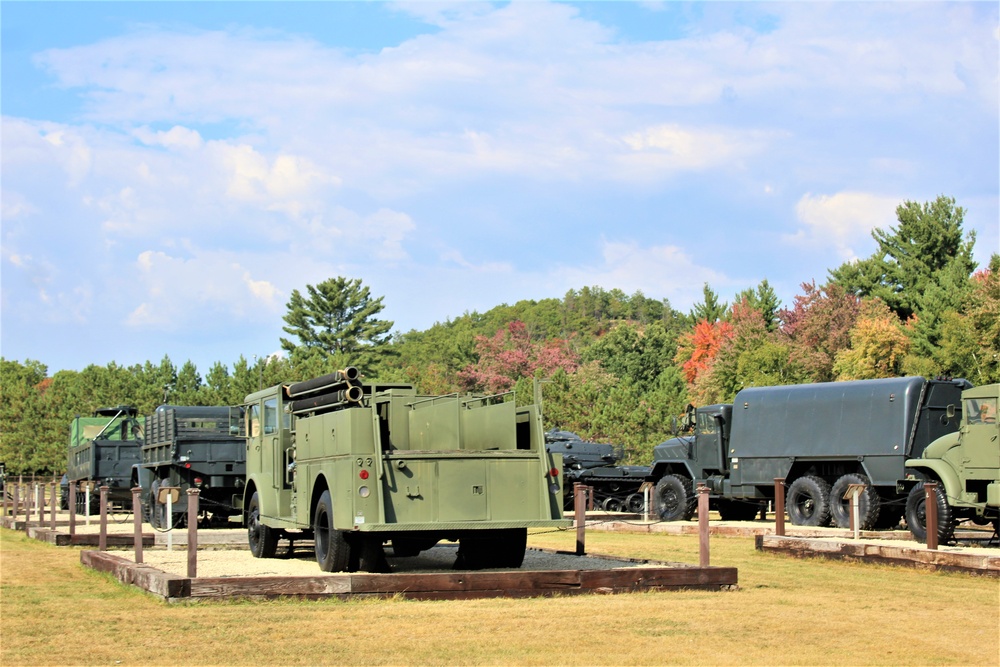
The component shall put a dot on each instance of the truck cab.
(700, 453)
(966, 466)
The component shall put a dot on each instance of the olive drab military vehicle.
(820, 438)
(188, 447)
(355, 466)
(966, 467)
(103, 449)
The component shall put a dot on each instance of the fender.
(254, 484)
(943, 472)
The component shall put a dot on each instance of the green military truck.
(103, 449)
(356, 466)
(192, 447)
(966, 467)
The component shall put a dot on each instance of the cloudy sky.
(172, 171)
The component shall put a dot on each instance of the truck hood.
(673, 449)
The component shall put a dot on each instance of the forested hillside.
(615, 367)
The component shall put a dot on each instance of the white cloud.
(176, 292)
(843, 219)
(656, 270)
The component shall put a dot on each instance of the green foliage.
(909, 257)
(338, 319)
(764, 300)
(878, 345)
(709, 309)
(817, 327)
(640, 361)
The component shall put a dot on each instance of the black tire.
(611, 504)
(869, 503)
(916, 515)
(407, 547)
(497, 549)
(808, 501)
(737, 510)
(635, 503)
(673, 498)
(157, 512)
(370, 554)
(333, 553)
(263, 539)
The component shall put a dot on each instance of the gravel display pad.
(240, 563)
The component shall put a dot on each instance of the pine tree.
(338, 319)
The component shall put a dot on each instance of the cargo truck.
(355, 466)
(103, 449)
(820, 438)
(188, 447)
(966, 467)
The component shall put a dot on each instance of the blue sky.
(172, 171)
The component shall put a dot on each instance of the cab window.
(253, 421)
(981, 410)
(706, 423)
(270, 416)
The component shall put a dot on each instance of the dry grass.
(788, 612)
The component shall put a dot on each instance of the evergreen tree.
(927, 249)
(764, 300)
(709, 309)
(338, 319)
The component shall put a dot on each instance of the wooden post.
(72, 510)
(192, 571)
(52, 507)
(580, 515)
(931, 514)
(28, 496)
(779, 506)
(40, 502)
(102, 544)
(702, 525)
(5, 501)
(17, 503)
(137, 520)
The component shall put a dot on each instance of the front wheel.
(916, 514)
(263, 539)
(673, 498)
(333, 553)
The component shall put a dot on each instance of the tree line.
(613, 367)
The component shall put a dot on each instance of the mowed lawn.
(787, 612)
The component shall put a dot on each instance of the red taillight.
(363, 474)
(197, 481)
(554, 472)
(187, 465)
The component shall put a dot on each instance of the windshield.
(981, 410)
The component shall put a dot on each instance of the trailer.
(356, 466)
(192, 447)
(103, 449)
(819, 438)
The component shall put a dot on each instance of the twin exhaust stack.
(334, 391)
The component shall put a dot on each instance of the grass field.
(787, 612)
